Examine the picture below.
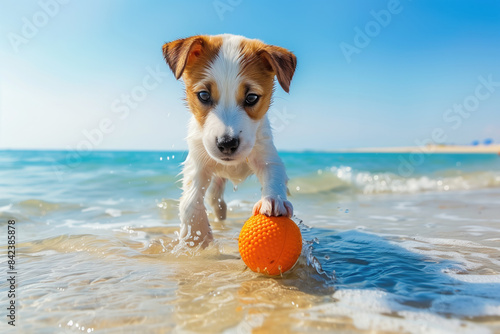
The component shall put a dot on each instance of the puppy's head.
(229, 82)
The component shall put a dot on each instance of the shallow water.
(390, 245)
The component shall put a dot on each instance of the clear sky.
(370, 73)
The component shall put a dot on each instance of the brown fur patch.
(260, 63)
(189, 57)
(283, 63)
(258, 78)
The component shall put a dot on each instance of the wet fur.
(229, 67)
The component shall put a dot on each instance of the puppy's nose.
(227, 145)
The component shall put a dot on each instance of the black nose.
(227, 145)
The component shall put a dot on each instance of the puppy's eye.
(251, 99)
(204, 96)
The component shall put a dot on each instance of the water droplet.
(161, 158)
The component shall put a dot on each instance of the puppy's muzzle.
(227, 145)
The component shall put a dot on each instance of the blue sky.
(414, 65)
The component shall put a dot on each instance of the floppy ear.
(181, 52)
(282, 62)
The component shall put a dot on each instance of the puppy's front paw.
(273, 206)
(195, 235)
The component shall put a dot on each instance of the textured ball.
(270, 245)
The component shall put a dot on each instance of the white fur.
(256, 154)
(228, 118)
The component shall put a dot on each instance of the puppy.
(229, 81)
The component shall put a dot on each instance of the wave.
(346, 179)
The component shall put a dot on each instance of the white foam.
(407, 206)
(375, 310)
(476, 278)
(110, 202)
(375, 183)
(113, 212)
(91, 208)
(5, 208)
(447, 216)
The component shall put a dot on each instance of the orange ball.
(270, 245)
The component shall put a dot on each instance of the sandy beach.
(481, 149)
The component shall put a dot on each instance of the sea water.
(392, 243)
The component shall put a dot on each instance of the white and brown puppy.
(229, 82)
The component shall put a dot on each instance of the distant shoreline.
(480, 149)
(466, 149)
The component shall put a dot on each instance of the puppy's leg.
(195, 228)
(215, 197)
(271, 173)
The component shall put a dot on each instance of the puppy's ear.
(282, 62)
(181, 52)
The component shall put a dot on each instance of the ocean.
(392, 243)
